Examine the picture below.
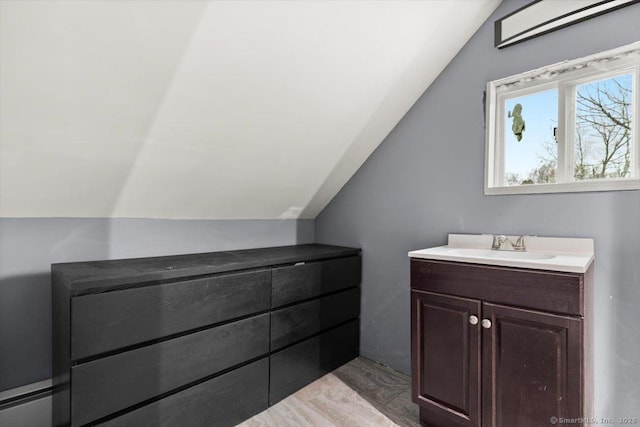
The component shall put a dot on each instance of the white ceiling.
(210, 110)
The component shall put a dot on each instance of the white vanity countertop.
(573, 255)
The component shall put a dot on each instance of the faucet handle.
(519, 244)
(498, 240)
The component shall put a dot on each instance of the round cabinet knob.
(473, 320)
(486, 323)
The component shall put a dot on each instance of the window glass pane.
(602, 147)
(530, 149)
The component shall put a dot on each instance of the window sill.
(567, 187)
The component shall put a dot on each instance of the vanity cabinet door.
(531, 367)
(445, 341)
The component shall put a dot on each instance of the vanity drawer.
(112, 320)
(113, 383)
(299, 282)
(219, 402)
(293, 368)
(300, 321)
(542, 290)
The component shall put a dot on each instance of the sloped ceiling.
(210, 110)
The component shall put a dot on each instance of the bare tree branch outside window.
(603, 129)
(602, 144)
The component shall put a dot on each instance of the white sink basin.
(542, 253)
(484, 253)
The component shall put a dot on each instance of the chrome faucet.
(499, 240)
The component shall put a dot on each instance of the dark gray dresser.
(199, 340)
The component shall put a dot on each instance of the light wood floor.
(359, 394)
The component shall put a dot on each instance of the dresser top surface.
(100, 276)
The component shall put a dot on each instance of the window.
(566, 127)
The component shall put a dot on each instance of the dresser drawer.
(300, 321)
(219, 402)
(113, 383)
(299, 282)
(112, 320)
(302, 363)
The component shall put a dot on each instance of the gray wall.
(28, 247)
(426, 180)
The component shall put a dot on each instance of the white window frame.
(564, 77)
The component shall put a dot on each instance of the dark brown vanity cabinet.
(203, 339)
(499, 346)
